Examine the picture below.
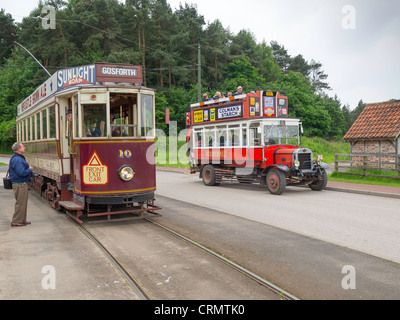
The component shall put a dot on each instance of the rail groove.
(135, 286)
(284, 294)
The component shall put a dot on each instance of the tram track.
(269, 285)
(131, 281)
(144, 295)
(139, 289)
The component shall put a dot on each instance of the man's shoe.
(18, 224)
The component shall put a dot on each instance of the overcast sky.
(357, 41)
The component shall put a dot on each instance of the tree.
(347, 117)
(8, 34)
(318, 77)
(216, 51)
(299, 64)
(242, 72)
(281, 56)
(337, 122)
(356, 112)
(264, 62)
(303, 104)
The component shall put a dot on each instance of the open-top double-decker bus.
(250, 137)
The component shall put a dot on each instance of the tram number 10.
(125, 154)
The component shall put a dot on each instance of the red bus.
(250, 138)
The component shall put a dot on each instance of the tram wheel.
(209, 175)
(276, 181)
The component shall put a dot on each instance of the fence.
(382, 165)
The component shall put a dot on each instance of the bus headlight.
(297, 163)
(126, 173)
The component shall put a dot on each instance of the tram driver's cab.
(112, 114)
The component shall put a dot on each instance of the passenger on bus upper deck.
(205, 97)
(217, 96)
(239, 91)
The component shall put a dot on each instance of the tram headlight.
(126, 173)
(297, 163)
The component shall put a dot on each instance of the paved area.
(52, 258)
(30, 256)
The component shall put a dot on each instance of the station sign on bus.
(266, 104)
(88, 74)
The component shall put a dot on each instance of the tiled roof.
(376, 121)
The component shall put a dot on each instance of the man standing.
(20, 174)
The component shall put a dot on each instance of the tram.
(250, 138)
(89, 134)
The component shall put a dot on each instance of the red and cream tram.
(249, 137)
(89, 134)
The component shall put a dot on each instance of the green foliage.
(18, 78)
(7, 128)
(340, 177)
(324, 147)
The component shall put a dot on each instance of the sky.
(356, 41)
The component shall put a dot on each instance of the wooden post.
(337, 164)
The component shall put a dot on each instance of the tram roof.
(96, 74)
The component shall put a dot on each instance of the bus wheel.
(209, 175)
(276, 181)
(321, 183)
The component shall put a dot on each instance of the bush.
(6, 127)
(325, 147)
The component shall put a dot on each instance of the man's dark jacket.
(19, 169)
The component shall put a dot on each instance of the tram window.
(75, 123)
(44, 123)
(20, 130)
(18, 133)
(146, 114)
(27, 130)
(38, 125)
(123, 117)
(34, 127)
(94, 116)
(52, 122)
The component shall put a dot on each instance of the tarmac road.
(300, 240)
(368, 224)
